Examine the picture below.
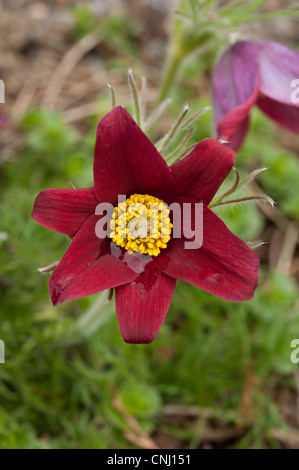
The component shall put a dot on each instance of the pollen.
(141, 224)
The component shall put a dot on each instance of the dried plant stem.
(67, 64)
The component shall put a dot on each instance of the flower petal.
(285, 115)
(279, 66)
(224, 266)
(88, 266)
(64, 210)
(235, 89)
(141, 306)
(239, 135)
(201, 173)
(126, 161)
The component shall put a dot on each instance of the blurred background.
(219, 374)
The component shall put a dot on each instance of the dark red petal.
(238, 137)
(64, 210)
(89, 265)
(285, 115)
(141, 306)
(235, 88)
(223, 266)
(126, 161)
(201, 173)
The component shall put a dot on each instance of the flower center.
(142, 224)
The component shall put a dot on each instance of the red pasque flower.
(126, 162)
(248, 73)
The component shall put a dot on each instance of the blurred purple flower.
(262, 73)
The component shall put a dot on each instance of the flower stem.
(169, 76)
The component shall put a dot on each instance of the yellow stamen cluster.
(141, 224)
